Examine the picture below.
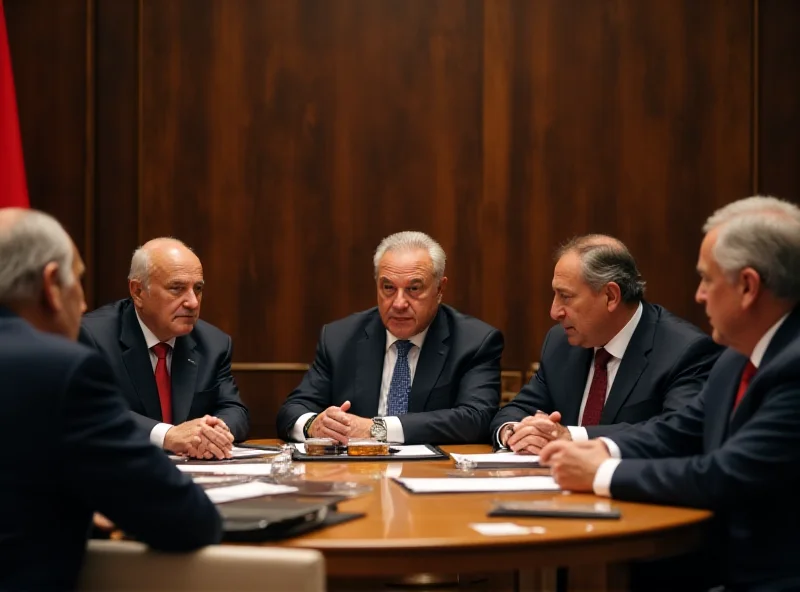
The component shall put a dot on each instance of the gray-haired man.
(411, 370)
(614, 359)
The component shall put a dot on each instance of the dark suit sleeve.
(313, 395)
(683, 382)
(534, 396)
(229, 407)
(475, 405)
(85, 336)
(760, 459)
(109, 464)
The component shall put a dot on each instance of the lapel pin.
(192, 362)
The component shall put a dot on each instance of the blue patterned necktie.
(400, 386)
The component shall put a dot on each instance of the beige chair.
(128, 566)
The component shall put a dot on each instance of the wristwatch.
(378, 430)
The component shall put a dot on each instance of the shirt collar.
(619, 343)
(761, 347)
(417, 340)
(149, 338)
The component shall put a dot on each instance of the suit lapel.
(575, 370)
(185, 361)
(370, 352)
(430, 363)
(137, 362)
(632, 365)
(750, 403)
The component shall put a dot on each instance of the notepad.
(479, 484)
(500, 460)
(221, 495)
(253, 469)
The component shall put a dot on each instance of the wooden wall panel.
(779, 98)
(284, 138)
(48, 43)
(116, 232)
(629, 118)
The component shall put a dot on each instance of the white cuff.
(297, 430)
(500, 431)
(394, 430)
(602, 478)
(613, 449)
(578, 433)
(158, 433)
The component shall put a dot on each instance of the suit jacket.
(456, 387)
(743, 464)
(664, 367)
(202, 382)
(75, 450)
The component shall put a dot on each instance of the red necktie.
(747, 375)
(163, 381)
(597, 390)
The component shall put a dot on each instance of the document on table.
(253, 469)
(477, 484)
(236, 452)
(402, 449)
(220, 495)
(500, 460)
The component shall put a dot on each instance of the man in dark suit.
(735, 449)
(81, 452)
(411, 370)
(175, 369)
(613, 360)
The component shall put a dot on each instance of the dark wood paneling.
(285, 139)
(779, 98)
(49, 56)
(116, 232)
(629, 118)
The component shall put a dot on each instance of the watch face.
(378, 431)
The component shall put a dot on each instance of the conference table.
(403, 534)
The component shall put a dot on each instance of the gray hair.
(606, 259)
(761, 232)
(410, 240)
(141, 265)
(27, 245)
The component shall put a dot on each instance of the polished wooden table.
(404, 533)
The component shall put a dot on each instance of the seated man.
(411, 370)
(80, 450)
(175, 370)
(735, 448)
(615, 359)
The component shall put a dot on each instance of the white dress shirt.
(394, 429)
(605, 472)
(616, 347)
(159, 431)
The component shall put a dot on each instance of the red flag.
(13, 188)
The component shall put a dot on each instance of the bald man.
(175, 369)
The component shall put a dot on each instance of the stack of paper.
(500, 460)
(220, 495)
(473, 485)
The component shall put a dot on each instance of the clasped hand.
(206, 437)
(535, 431)
(337, 423)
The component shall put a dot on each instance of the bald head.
(166, 285)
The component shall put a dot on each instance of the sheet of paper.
(220, 495)
(254, 469)
(499, 457)
(248, 452)
(505, 528)
(471, 485)
(403, 449)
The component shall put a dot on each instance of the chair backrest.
(128, 566)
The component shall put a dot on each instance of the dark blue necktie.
(400, 386)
